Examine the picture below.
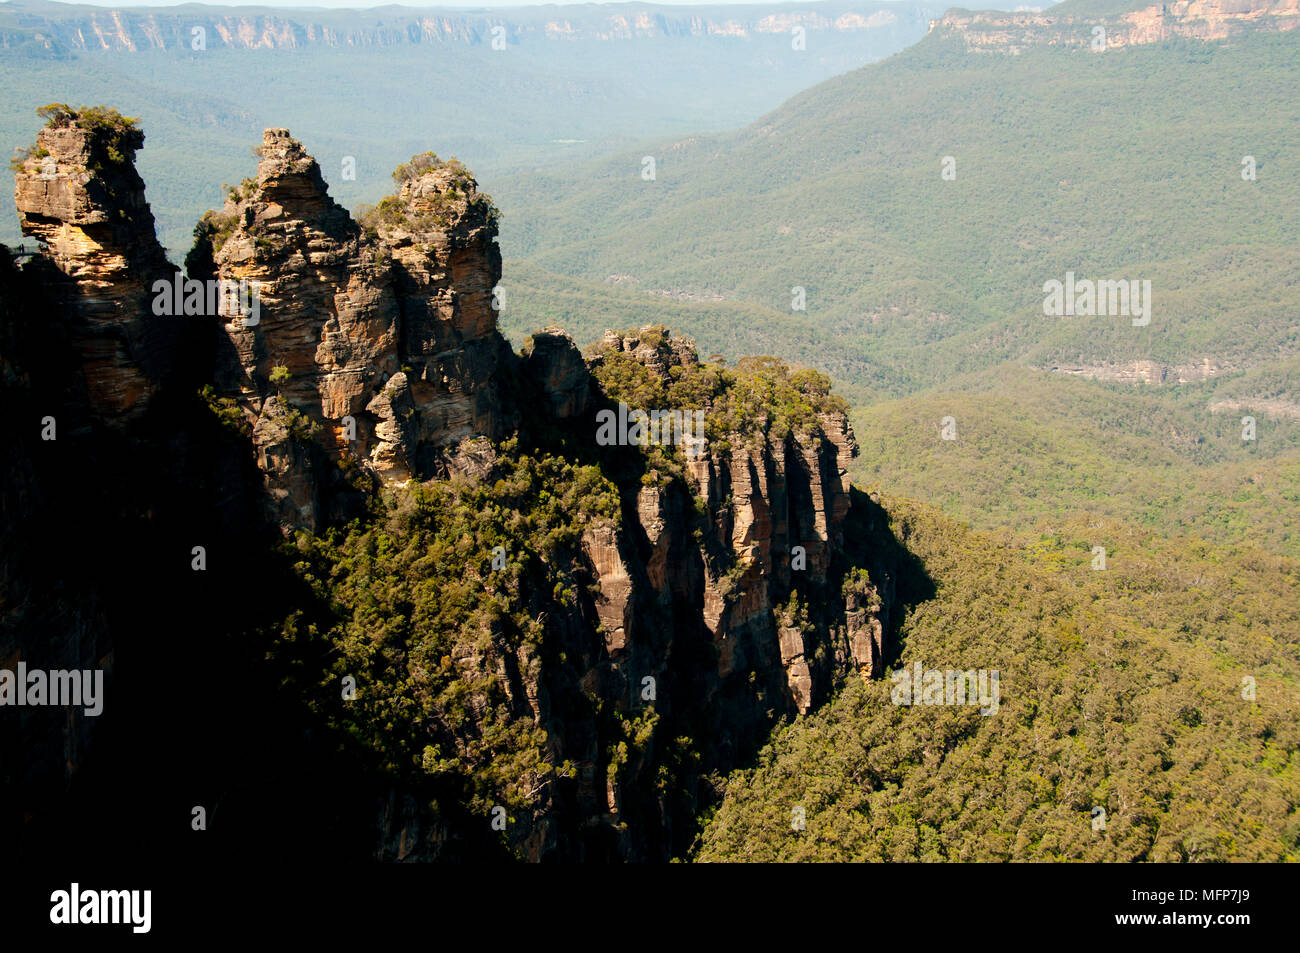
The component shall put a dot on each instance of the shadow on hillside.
(898, 574)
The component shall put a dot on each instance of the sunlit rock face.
(369, 356)
(78, 194)
(374, 347)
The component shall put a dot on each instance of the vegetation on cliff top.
(112, 137)
(759, 397)
(437, 211)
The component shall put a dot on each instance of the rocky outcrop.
(46, 620)
(1269, 406)
(736, 584)
(1144, 372)
(324, 339)
(555, 365)
(372, 348)
(998, 32)
(776, 507)
(103, 503)
(78, 193)
(440, 234)
(731, 591)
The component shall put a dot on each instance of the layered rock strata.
(78, 194)
(1002, 32)
(734, 581)
(374, 347)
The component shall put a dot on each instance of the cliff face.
(61, 30)
(776, 504)
(740, 579)
(741, 589)
(1144, 372)
(997, 32)
(78, 193)
(440, 234)
(371, 348)
(50, 618)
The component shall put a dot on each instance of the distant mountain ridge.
(1073, 24)
(64, 28)
(913, 277)
(922, 293)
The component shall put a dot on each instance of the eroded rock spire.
(77, 192)
(375, 343)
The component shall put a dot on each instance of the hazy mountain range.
(379, 85)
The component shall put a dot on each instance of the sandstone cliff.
(998, 32)
(743, 582)
(1144, 372)
(373, 348)
(78, 194)
(738, 575)
(60, 30)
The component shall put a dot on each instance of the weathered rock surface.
(441, 236)
(96, 29)
(1144, 371)
(78, 194)
(693, 600)
(729, 591)
(556, 366)
(374, 348)
(779, 507)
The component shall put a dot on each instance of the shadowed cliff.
(366, 582)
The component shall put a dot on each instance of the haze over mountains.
(379, 85)
(842, 191)
(58, 29)
(1170, 159)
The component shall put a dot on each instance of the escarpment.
(775, 504)
(577, 589)
(136, 31)
(1006, 32)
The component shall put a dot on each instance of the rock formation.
(742, 580)
(127, 30)
(1003, 32)
(1144, 371)
(78, 193)
(374, 347)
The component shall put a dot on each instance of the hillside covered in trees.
(1149, 711)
